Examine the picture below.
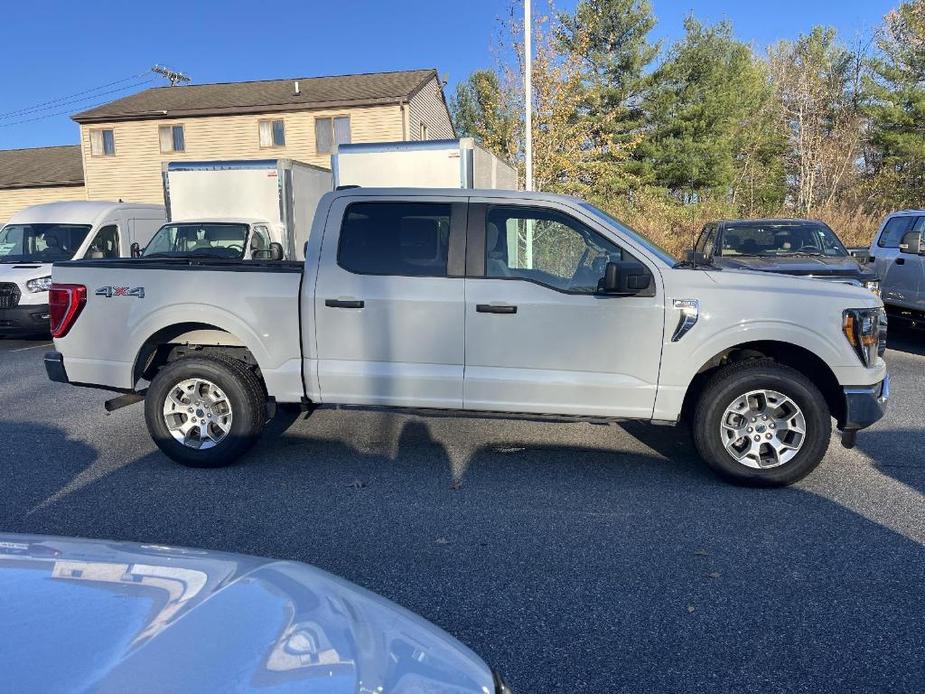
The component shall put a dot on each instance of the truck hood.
(814, 266)
(850, 295)
(83, 615)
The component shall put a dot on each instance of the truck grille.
(9, 295)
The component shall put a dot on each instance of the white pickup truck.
(528, 304)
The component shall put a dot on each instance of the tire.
(232, 402)
(731, 403)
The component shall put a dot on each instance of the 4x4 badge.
(109, 292)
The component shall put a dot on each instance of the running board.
(124, 401)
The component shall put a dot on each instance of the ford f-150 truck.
(526, 304)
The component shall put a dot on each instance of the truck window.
(260, 239)
(546, 247)
(894, 231)
(105, 244)
(705, 243)
(389, 238)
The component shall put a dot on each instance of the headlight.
(873, 286)
(865, 329)
(40, 284)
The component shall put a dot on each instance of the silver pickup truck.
(527, 304)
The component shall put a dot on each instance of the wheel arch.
(796, 357)
(177, 339)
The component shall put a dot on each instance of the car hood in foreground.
(81, 615)
(817, 266)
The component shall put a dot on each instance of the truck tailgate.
(130, 301)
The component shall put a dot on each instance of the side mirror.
(862, 255)
(135, 250)
(696, 258)
(912, 243)
(625, 278)
(273, 253)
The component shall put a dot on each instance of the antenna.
(174, 76)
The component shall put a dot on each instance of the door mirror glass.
(136, 250)
(274, 252)
(862, 255)
(625, 278)
(912, 243)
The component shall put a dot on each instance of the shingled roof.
(41, 166)
(262, 97)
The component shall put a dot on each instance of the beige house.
(123, 143)
(39, 174)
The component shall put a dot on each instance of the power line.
(49, 115)
(63, 102)
(51, 102)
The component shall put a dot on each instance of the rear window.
(894, 231)
(387, 238)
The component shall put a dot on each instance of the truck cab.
(40, 235)
(898, 254)
(232, 239)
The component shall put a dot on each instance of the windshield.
(43, 243)
(776, 239)
(211, 240)
(655, 250)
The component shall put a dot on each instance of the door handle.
(343, 303)
(495, 308)
(900, 261)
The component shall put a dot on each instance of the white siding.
(12, 200)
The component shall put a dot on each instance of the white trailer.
(280, 194)
(429, 164)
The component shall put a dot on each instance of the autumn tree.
(816, 82)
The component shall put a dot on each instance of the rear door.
(389, 303)
(539, 337)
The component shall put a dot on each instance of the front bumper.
(865, 405)
(25, 319)
(54, 367)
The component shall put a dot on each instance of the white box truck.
(237, 208)
(429, 164)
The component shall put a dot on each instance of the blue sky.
(54, 49)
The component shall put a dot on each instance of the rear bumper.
(865, 405)
(910, 317)
(54, 367)
(26, 319)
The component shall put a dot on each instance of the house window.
(330, 132)
(171, 137)
(423, 131)
(102, 143)
(272, 133)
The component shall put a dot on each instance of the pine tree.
(713, 129)
(896, 107)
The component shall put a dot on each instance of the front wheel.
(205, 411)
(761, 423)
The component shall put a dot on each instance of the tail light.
(65, 302)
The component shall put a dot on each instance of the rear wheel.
(762, 423)
(205, 411)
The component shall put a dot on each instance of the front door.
(539, 336)
(901, 273)
(389, 304)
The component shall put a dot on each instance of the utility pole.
(174, 76)
(528, 127)
(528, 96)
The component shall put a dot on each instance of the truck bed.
(252, 304)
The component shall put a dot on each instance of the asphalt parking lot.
(572, 557)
